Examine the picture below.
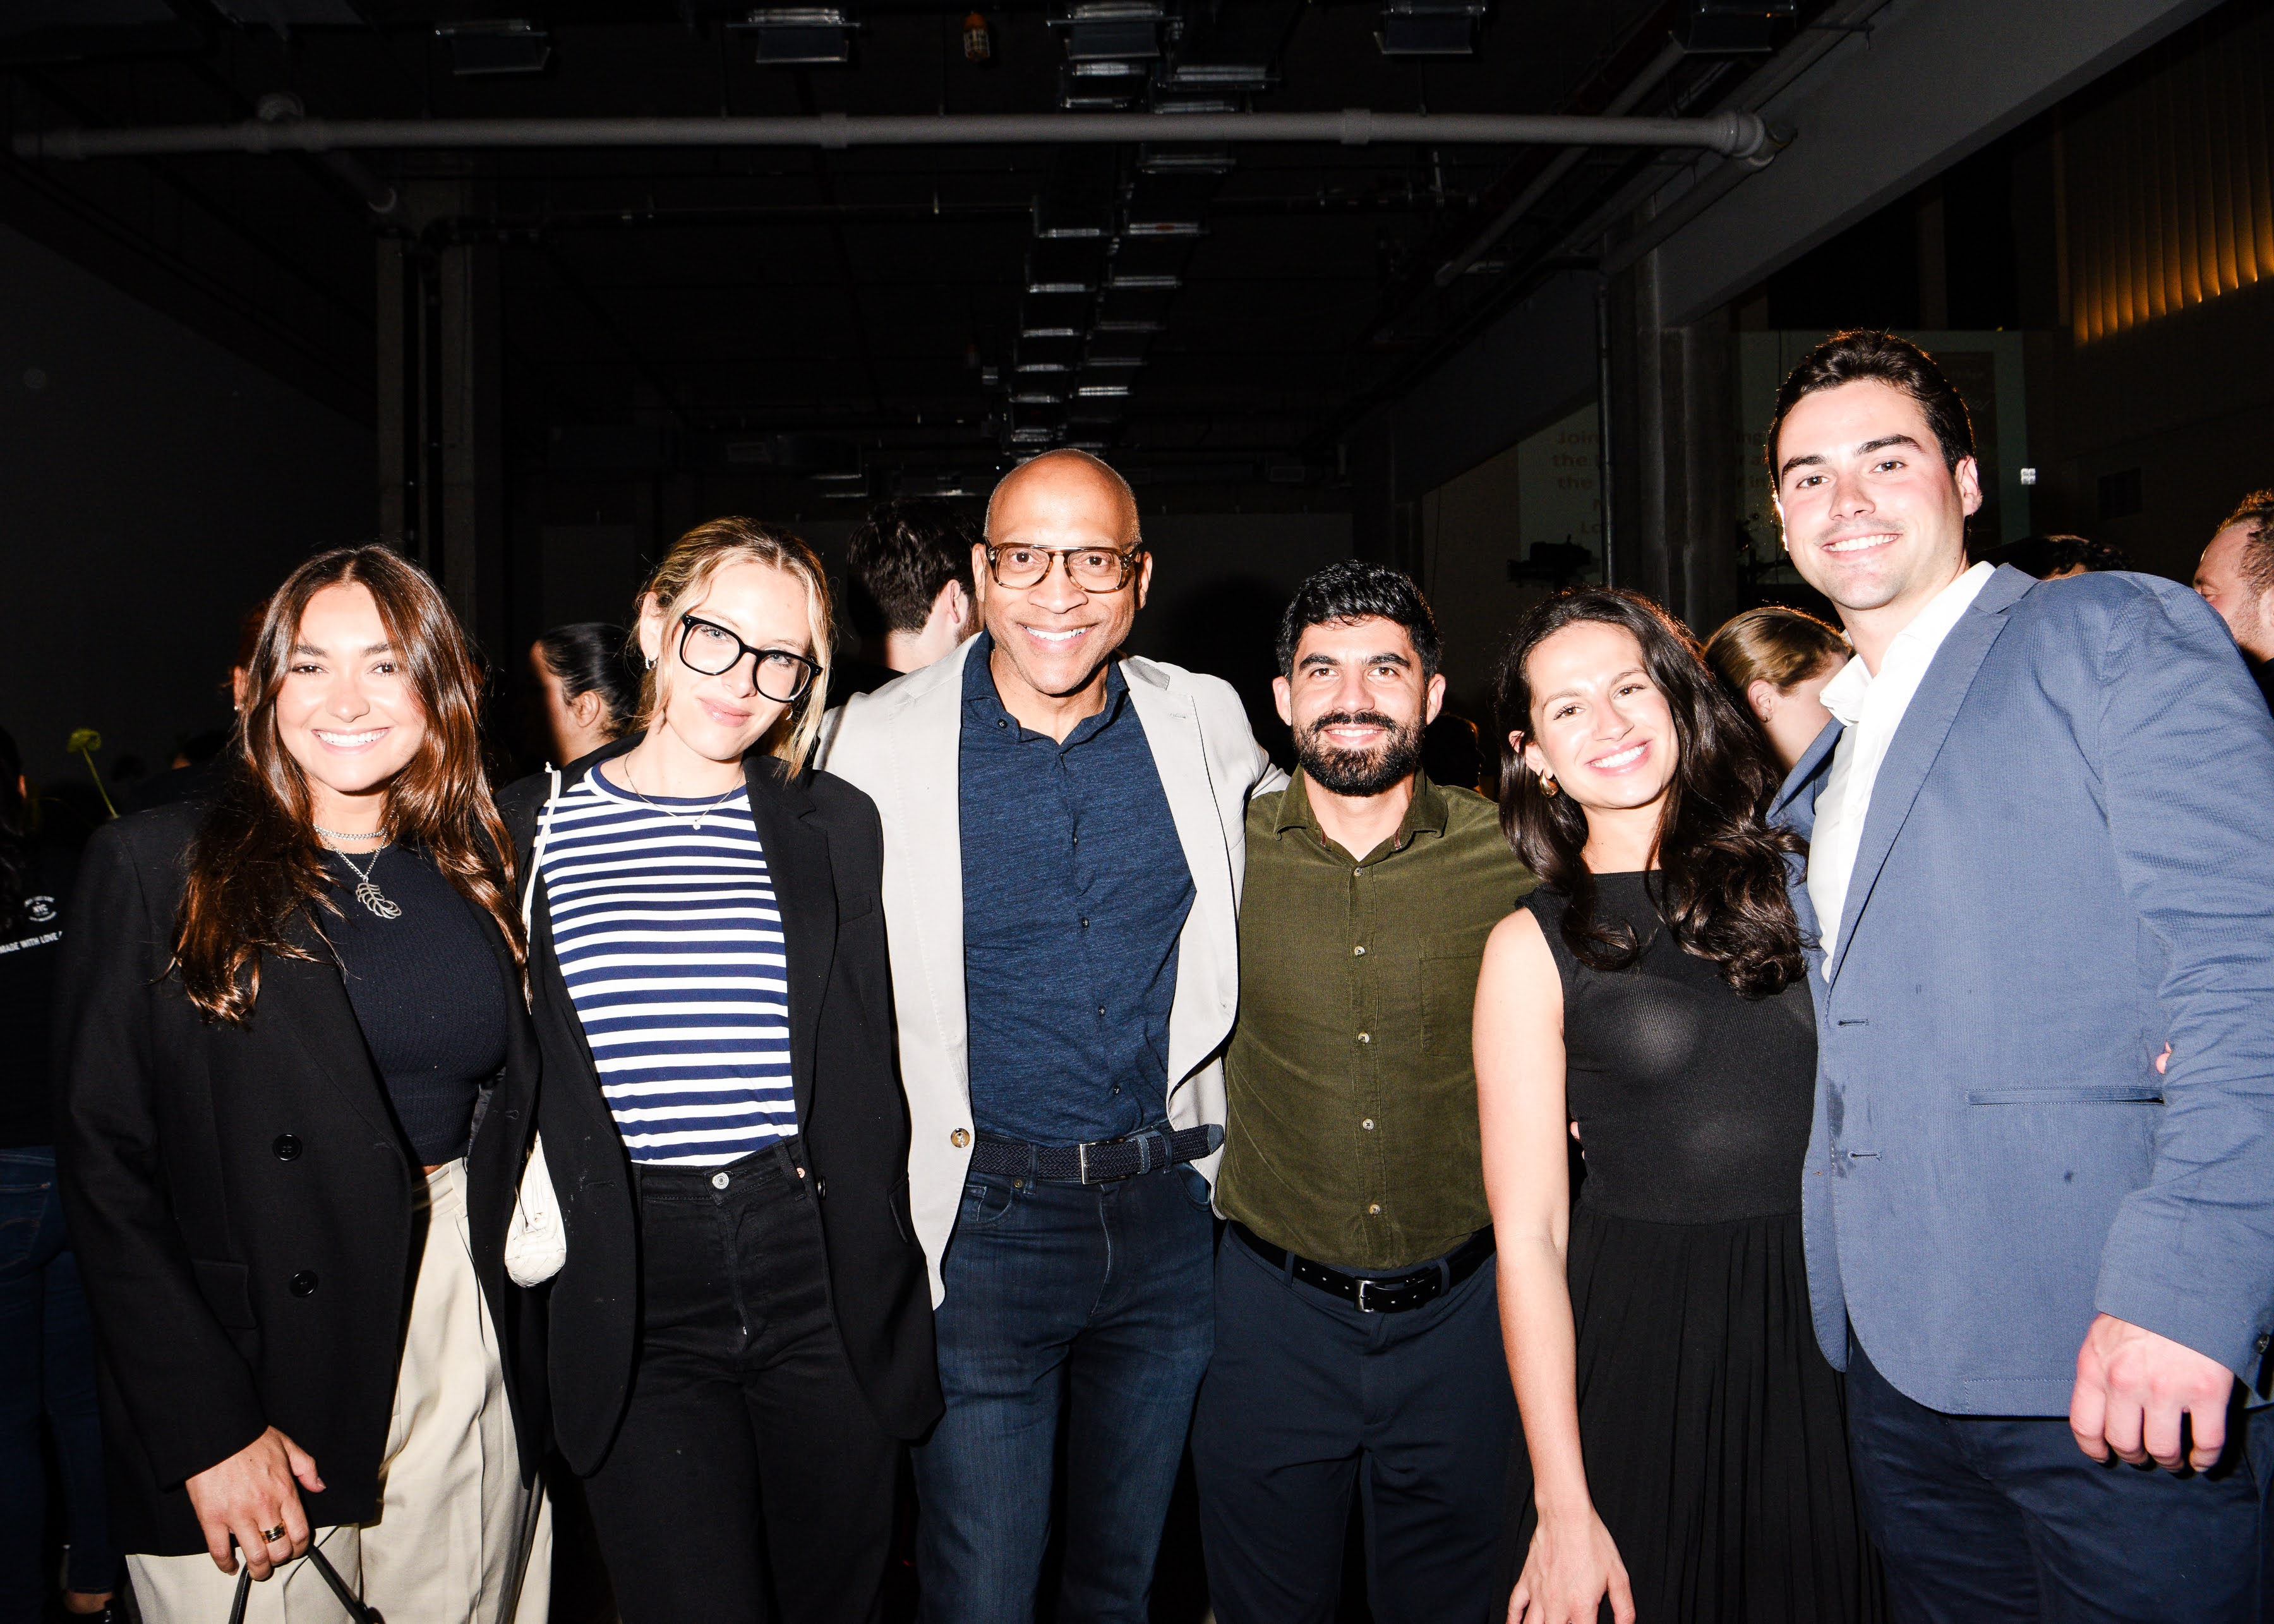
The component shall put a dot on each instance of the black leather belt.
(1378, 1294)
(1101, 1160)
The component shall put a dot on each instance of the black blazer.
(241, 1203)
(825, 850)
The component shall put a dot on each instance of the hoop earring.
(1547, 786)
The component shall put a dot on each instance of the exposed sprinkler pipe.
(1639, 87)
(282, 107)
(1731, 134)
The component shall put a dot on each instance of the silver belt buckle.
(1081, 1161)
(1364, 1306)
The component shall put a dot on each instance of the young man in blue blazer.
(2040, 1190)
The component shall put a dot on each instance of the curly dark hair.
(1355, 589)
(1723, 867)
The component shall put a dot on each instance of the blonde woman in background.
(741, 1334)
(1775, 661)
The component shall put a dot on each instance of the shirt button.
(1085, 924)
(287, 1147)
(1101, 1010)
(959, 1139)
(1357, 874)
(303, 1283)
(718, 1181)
(1358, 953)
(1366, 1037)
(1374, 1209)
(1368, 1123)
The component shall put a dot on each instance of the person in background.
(47, 1350)
(1774, 662)
(592, 698)
(2039, 1200)
(1357, 1325)
(196, 773)
(2057, 557)
(1682, 1452)
(740, 1337)
(911, 566)
(298, 1086)
(1064, 844)
(2236, 575)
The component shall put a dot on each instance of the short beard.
(1359, 773)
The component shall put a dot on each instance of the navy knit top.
(428, 992)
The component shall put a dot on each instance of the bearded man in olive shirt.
(1358, 1333)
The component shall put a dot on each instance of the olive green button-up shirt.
(1352, 1134)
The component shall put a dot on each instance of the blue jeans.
(2001, 1517)
(47, 1359)
(1094, 1301)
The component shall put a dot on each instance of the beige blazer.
(901, 745)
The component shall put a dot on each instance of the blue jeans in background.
(1095, 1301)
(47, 1360)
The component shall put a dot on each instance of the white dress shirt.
(1871, 709)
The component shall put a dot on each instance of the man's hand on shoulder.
(2135, 1388)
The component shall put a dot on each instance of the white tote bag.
(536, 1240)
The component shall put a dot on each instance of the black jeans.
(1309, 1400)
(750, 1481)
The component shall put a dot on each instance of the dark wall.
(153, 485)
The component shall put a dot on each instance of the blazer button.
(821, 1188)
(959, 1139)
(303, 1283)
(287, 1147)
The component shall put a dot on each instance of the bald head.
(1068, 481)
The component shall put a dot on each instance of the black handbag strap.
(330, 1574)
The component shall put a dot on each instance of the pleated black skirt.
(1715, 1433)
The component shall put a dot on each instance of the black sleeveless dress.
(1714, 1433)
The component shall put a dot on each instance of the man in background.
(911, 569)
(1358, 1336)
(2236, 575)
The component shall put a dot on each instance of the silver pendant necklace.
(367, 892)
(680, 818)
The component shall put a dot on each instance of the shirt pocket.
(1449, 1001)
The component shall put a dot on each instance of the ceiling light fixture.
(491, 49)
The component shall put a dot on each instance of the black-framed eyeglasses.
(1093, 569)
(711, 649)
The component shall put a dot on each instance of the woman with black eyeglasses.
(741, 1333)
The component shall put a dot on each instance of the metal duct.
(1734, 134)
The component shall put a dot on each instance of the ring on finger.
(274, 1536)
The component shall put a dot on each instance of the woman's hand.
(1572, 1565)
(252, 1493)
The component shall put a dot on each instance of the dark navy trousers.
(2003, 1517)
(1310, 1401)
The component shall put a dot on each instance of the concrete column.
(441, 486)
(1675, 441)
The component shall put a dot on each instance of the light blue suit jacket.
(2069, 862)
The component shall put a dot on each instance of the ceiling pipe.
(282, 107)
(1737, 135)
(1639, 87)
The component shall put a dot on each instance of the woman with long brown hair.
(741, 1337)
(1684, 1451)
(298, 1089)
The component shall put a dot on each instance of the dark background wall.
(153, 485)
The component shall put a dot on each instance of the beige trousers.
(457, 1539)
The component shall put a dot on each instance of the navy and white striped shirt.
(670, 941)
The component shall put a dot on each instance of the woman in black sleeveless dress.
(1687, 1451)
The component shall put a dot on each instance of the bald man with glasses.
(1063, 846)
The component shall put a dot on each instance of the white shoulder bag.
(536, 1239)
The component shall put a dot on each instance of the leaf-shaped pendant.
(368, 894)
